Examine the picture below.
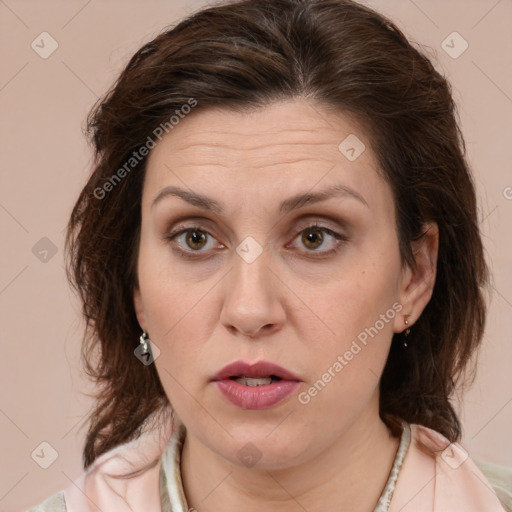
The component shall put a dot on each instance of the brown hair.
(245, 54)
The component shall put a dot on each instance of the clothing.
(428, 474)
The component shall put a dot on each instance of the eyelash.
(312, 227)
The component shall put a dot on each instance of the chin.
(261, 447)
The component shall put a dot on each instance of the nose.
(252, 298)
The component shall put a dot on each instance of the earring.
(408, 330)
(144, 341)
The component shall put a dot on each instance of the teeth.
(248, 381)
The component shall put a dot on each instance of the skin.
(287, 306)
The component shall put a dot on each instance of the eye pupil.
(312, 238)
(197, 238)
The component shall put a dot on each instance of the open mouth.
(256, 381)
(260, 385)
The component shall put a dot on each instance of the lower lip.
(256, 397)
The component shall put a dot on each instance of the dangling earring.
(146, 350)
(144, 341)
(408, 330)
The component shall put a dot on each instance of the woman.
(280, 264)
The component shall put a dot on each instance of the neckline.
(175, 500)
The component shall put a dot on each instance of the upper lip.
(255, 370)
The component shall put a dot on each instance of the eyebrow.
(293, 203)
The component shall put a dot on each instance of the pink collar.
(439, 476)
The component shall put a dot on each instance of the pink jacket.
(436, 476)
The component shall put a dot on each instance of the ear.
(417, 282)
(139, 307)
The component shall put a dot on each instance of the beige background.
(45, 160)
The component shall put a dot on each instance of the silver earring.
(144, 341)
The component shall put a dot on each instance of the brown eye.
(318, 241)
(312, 238)
(193, 242)
(195, 239)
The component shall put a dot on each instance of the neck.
(350, 475)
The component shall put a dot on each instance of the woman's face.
(264, 240)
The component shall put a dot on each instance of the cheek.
(345, 369)
(178, 313)
(172, 293)
(356, 301)
(180, 324)
(349, 341)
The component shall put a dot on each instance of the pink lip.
(259, 369)
(255, 397)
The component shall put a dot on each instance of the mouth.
(255, 386)
(261, 373)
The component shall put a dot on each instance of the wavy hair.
(243, 55)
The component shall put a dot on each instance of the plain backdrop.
(45, 161)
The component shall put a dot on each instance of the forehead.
(300, 126)
(274, 150)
